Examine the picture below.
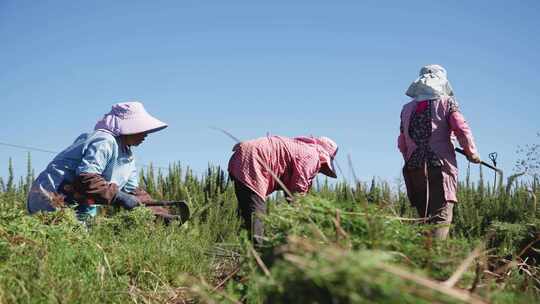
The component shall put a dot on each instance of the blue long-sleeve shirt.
(98, 152)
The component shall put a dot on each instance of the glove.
(475, 158)
(125, 200)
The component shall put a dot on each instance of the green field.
(342, 243)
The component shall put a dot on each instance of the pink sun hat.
(327, 159)
(128, 118)
(327, 149)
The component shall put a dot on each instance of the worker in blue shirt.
(99, 167)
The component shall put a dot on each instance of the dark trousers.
(425, 190)
(250, 207)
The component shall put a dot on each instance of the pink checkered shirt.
(295, 162)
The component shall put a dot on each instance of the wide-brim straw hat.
(129, 118)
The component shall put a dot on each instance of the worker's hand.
(142, 196)
(126, 200)
(475, 158)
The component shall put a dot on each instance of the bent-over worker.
(295, 161)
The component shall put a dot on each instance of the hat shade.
(327, 159)
(129, 118)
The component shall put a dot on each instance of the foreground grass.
(129, 257)
(336, 252)
(339, 245)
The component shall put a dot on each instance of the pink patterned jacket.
(446, 123)
(296, 161)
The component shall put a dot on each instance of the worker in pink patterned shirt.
(295, 161)
(428, 123)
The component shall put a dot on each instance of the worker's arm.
(89, 182)
(305, 170)
(463, 132)
(402, 146)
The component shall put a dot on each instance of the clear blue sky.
(333, 68)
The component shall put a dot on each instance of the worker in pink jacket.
(295, 161)
(428, 124)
